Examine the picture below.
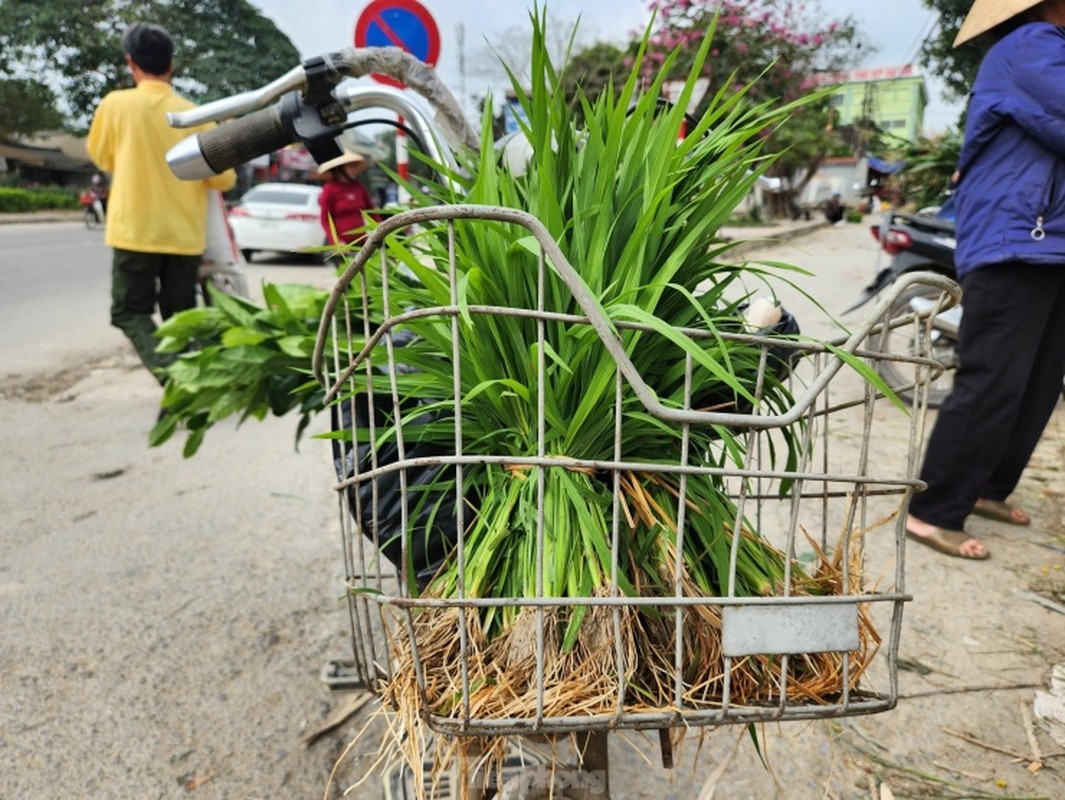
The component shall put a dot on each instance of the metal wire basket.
(842, 503)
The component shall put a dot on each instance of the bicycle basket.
(738, 560)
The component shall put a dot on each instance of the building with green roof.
(894, 98)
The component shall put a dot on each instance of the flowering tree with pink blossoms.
(778, 50)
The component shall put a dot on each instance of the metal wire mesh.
(841, 503)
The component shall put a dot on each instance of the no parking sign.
(406, 24)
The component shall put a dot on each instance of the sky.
(893, 27)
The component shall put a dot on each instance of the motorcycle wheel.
(907, 340)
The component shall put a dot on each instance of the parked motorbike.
(93, 204)
(917, 242)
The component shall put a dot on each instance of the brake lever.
(322, 81)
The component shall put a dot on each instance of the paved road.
(55, 296)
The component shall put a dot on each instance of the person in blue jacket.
(1010, 259)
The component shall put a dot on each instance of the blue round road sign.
(399, 23)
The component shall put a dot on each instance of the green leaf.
(188, 323)
(296, 346)
(235, 337)
(162, 430)
(236, 310)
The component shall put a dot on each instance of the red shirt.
(344, 203)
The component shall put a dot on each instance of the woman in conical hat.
(345, 201)
(1010, 261)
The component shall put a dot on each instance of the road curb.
(40, 216)
(754, 238)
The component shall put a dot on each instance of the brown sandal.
(1002, 511)
(948, 542)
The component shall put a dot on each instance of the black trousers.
(142, 283)
(1011, 355)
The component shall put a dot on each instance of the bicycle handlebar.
(317, 115)
(218, 149)
(213, 152)
(229, 107)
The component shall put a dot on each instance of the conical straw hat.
(986, 14)
(345, 158)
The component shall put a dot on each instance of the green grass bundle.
(636, 209)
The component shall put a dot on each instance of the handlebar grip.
(243, 139)
(213, 151)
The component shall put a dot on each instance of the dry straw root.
(623, 657)
(622, 651)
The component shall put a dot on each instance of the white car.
(283, 217)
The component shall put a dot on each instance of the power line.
(925, 31)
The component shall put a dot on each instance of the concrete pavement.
(205, 601)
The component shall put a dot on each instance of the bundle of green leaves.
(239, 358)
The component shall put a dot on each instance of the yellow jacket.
(149, 210)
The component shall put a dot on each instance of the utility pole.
(460, 37)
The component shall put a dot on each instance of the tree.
(930, 161)
(778, 51)
(955, 67)
(29, 108)
(593, 69)
(511, 50)
(222, 47)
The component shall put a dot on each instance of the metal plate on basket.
(748, 630)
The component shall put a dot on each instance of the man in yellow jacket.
(156, 223)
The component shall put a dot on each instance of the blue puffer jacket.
(1011, 198)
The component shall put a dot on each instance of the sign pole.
(402, 160)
